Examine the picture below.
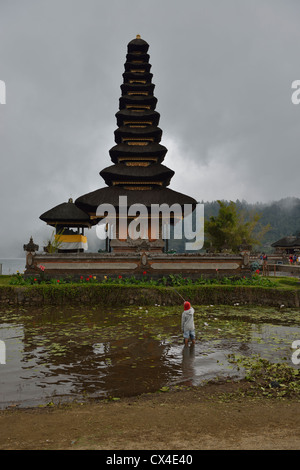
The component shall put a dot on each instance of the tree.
(233, 227)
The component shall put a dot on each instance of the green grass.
(5, 280)
(286, 282)
(176, 281)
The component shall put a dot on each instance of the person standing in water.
(187, 323)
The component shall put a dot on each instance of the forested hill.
(282, 215)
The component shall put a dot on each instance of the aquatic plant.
(278, 380)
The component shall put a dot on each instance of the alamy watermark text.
(141, 222)
(2, 92)
(2, 352)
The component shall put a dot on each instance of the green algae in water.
(129, 347)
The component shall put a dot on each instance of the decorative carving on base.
(137, 246)
(31, 247)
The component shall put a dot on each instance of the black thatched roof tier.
(144, 152)
(136, 100)
(122, 172)
(110, 195)
(137, 87)
(137, 45)
(129, 115)
(137, 68)
(137, 76)
(66, 212)
(287, 242)
(133, 57)
(127, 132)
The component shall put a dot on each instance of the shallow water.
(55, 355)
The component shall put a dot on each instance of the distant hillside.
(282, 215)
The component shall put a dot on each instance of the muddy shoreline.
(213, 417)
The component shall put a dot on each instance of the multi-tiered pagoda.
(137, 174)
(137, 171)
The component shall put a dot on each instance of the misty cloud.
(223, 73)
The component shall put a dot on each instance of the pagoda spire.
(138, 135)
(137, 171)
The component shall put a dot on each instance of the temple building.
(137, 171)
(287, 245)
(136, 181)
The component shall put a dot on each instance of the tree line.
(228, 224)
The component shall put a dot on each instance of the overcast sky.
(223, 72)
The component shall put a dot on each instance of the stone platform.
(152, 265)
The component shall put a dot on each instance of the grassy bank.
(257, 291)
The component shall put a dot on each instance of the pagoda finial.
(138, 36)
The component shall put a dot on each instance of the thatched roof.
(141, 87)
(138, 44)
(89, 202)
(123, 132)
(143, 67)
(132, 75)
(150, 150)
(132, 115)
(131, 56)
(66, 212)
(287, 242)
(138, 100)
(121, 172)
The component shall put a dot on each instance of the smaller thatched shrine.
(287, 245)
(69, 222)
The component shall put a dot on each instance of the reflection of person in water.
(188, 356)
(187, 324)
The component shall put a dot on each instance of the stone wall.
(291, 269)
(137, 264)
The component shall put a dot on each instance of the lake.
(12, 265)
(54, 355)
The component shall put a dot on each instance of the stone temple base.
(138, 264)
(137, 246)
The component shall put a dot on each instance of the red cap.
(187, 305)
